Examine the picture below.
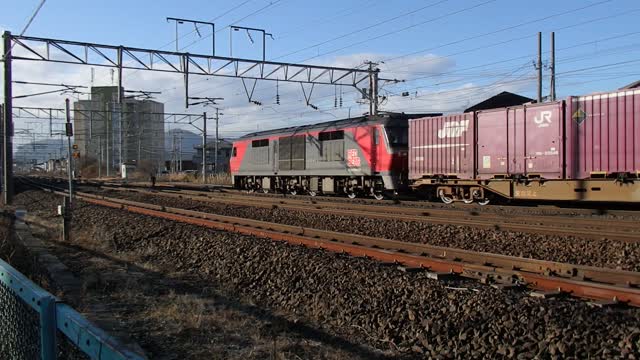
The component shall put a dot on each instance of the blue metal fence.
(31, 321)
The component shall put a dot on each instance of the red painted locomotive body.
(365, 155)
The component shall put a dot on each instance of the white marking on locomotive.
(453, 129)
(543, 119)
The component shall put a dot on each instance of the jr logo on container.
(453, 129)
(543, 119)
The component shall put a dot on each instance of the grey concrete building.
(224, 154)
(109, 134)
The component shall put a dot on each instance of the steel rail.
(625, 230)
(600, 284)
(208, 189)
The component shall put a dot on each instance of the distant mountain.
(40, 150)
(189, 140)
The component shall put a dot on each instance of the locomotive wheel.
(266, 191)
(378, 195)
(468, 201)
(312, 193)
(293, 191)
(351, 195)
(484, 202)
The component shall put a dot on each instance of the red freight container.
(524, 140)
(603, 134)
(441, 146)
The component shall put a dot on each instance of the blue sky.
(452, 53)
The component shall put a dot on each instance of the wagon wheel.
(468, 201)
(265, 190)
(445, 199)
(293, 191)
(312, 193)
(378, 195)
(351, 195)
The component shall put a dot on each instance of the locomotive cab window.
(260, 143)
(397, 136)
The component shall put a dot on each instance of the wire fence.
(34, 324)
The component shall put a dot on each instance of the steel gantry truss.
(123, 57)
(120, 57)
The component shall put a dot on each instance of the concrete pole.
(7, 125)
(373, 89)
(109, 121)
(100, 158)
(204, 147)
(180, 152)
(215, 157)
(539, 67)
(70, 158)
(552, 87)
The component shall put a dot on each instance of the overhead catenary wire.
(193, 31)
(433, 4)
(26, 27)
(368, 27)
(582, 23)
(564, 60)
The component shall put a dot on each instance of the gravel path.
(362, 302)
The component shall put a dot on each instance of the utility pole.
(373, 88)
(539, 67)
(180, 152)
(552, 87)
(204, 147)
(68, 200)
(109, 129)
(69, 133)
(100, 158)
(215, 158)
(7, 125)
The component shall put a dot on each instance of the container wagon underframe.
(623, 189)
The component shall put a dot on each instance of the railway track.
(613, 229)
(546, 278)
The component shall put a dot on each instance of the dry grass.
(179, 312)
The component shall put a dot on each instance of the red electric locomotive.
(357, 156)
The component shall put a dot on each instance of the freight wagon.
(584, 148)
(364, 155)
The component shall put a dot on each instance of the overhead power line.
(31, 18)
(376, 24)
(404, 29)
(270, 4)
(501, 30)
